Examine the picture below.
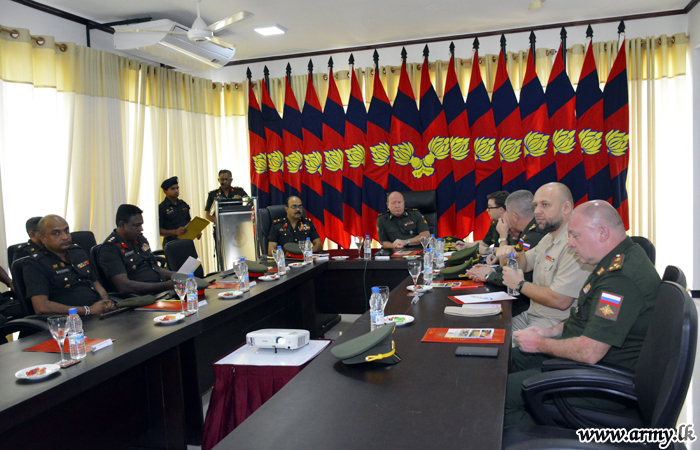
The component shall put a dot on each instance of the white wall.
(694, 76)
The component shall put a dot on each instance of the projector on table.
(278, 338)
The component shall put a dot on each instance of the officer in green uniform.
(399, 227)
(614, 310)
(126, 257)
(59, 275)
(496, 209)
(173, 212)
(33, 244)
(293, 228)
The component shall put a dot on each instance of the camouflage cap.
(377, 345)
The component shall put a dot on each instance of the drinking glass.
(238, 268)
(302, 245)
(59, 327)
(414, 268)
(384, 292)
(424, 242)
(277, 257)
(179, 285)
(359, 243)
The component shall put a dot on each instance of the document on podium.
(195, 228)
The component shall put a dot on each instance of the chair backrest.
(426, 203)
(101, 276)
(84, 239)
(11, 252)
(675, 274)
(177, 252)
(666, 360)
(17, 270)
(647, 246)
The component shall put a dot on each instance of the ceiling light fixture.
(271, 31)
(536, 4)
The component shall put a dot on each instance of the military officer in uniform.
(399, 227)
(126, 257)
(498, 232)
(519, 217)
(292, 228)
(173, 213)
(614, 310)
(225, 191)
(59, 275)
(33, 244)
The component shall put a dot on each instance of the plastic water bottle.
(368, 248)
(512, 264)
(76, 338)
(428, 267)
(376, 312)
(432, 244)
(191, 289)
(439, 255)
(308, 251)
(245, 282)
(279, 257)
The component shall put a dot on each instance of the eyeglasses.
(493, 207)
(225, 179)
(296, 207)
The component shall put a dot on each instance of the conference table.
(145, 390)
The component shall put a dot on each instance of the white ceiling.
(317, 25)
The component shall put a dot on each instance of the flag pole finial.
(375, 57)
(426, 52)
(562, 35)
(404, 55)
(621, 27)
(266, 71)
(589, 32)
(503, 44)
(289, 70)
(249, 75)
(351, 60)
(476, 44)
(310, 66)
(533, 39)
(330, 63)
(452, 49)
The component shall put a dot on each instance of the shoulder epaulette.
(532, 227)
(111, 240)
(384, 213)
(617, 263)
(281, 219)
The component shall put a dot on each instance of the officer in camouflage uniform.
(33, 244)
(614, 310)
(293, 228)
(59, 275)
(126, 257)
(399, 227)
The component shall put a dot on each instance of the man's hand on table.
(399, 244)
(479, 272)
(528, 339)
(511, 277)
(101, 306)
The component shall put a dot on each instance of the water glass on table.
(359, 240)
(414, 268)
(424, 242)
(384, 292)
(179, 286)
(59, 327)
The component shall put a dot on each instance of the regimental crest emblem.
(356, 156)
(536, 144)
(609, 306)
(459, 146)
(275, 161)
(294, 160)
(484, 149)
(563, 141)
(591, 141)
(617, 142)
(380, 154)
(334, 160)
(510, 149)
(314, 163)
(260, 163)
(438, 149)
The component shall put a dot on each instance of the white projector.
(278, 338)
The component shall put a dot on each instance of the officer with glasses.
(293, 228)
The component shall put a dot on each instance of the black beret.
(165, 185)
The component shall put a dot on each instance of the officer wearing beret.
(615, 306)
(225, 192)
(126, 257)
(293, 228)
(173, 213)
(399, 227)
(33, 244)
(59, 275)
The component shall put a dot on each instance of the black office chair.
(84, 239)
(177, 252)
(267, 216)
(426, 203)
(658, 386)
(676, 275)
(11, 251)
(20, 287)
(101, 276)
(647, 246)
(30, 323)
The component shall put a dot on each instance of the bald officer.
(399, 227)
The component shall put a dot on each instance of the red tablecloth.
(239, 390)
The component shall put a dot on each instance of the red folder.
(438, 335)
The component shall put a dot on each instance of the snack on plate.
(36, 371)
(168, 318)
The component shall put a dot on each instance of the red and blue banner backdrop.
(293, 138)
(356, 154)
(259, 178)
(275, 147)
(311, 179)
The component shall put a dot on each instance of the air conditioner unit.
(174, 50)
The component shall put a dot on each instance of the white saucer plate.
(421, 288)
(169, 319)
(269, 278)
(399, 320)
(230, 294)
(50, 368)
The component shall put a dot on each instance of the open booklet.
(195, 228)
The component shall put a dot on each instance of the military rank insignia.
(608, 306)
(600, 271)
(587, 288)
(617, 263)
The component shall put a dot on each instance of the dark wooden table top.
(431, 399)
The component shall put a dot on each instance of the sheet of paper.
(194, 228)
(483, 298)
(189, 266)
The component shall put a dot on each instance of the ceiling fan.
(199, 31)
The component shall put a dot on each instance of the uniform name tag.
(129, 253)
(59, 272)
(170, 211)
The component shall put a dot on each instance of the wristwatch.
(502, 240)
(405, 243)
(521, 284)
